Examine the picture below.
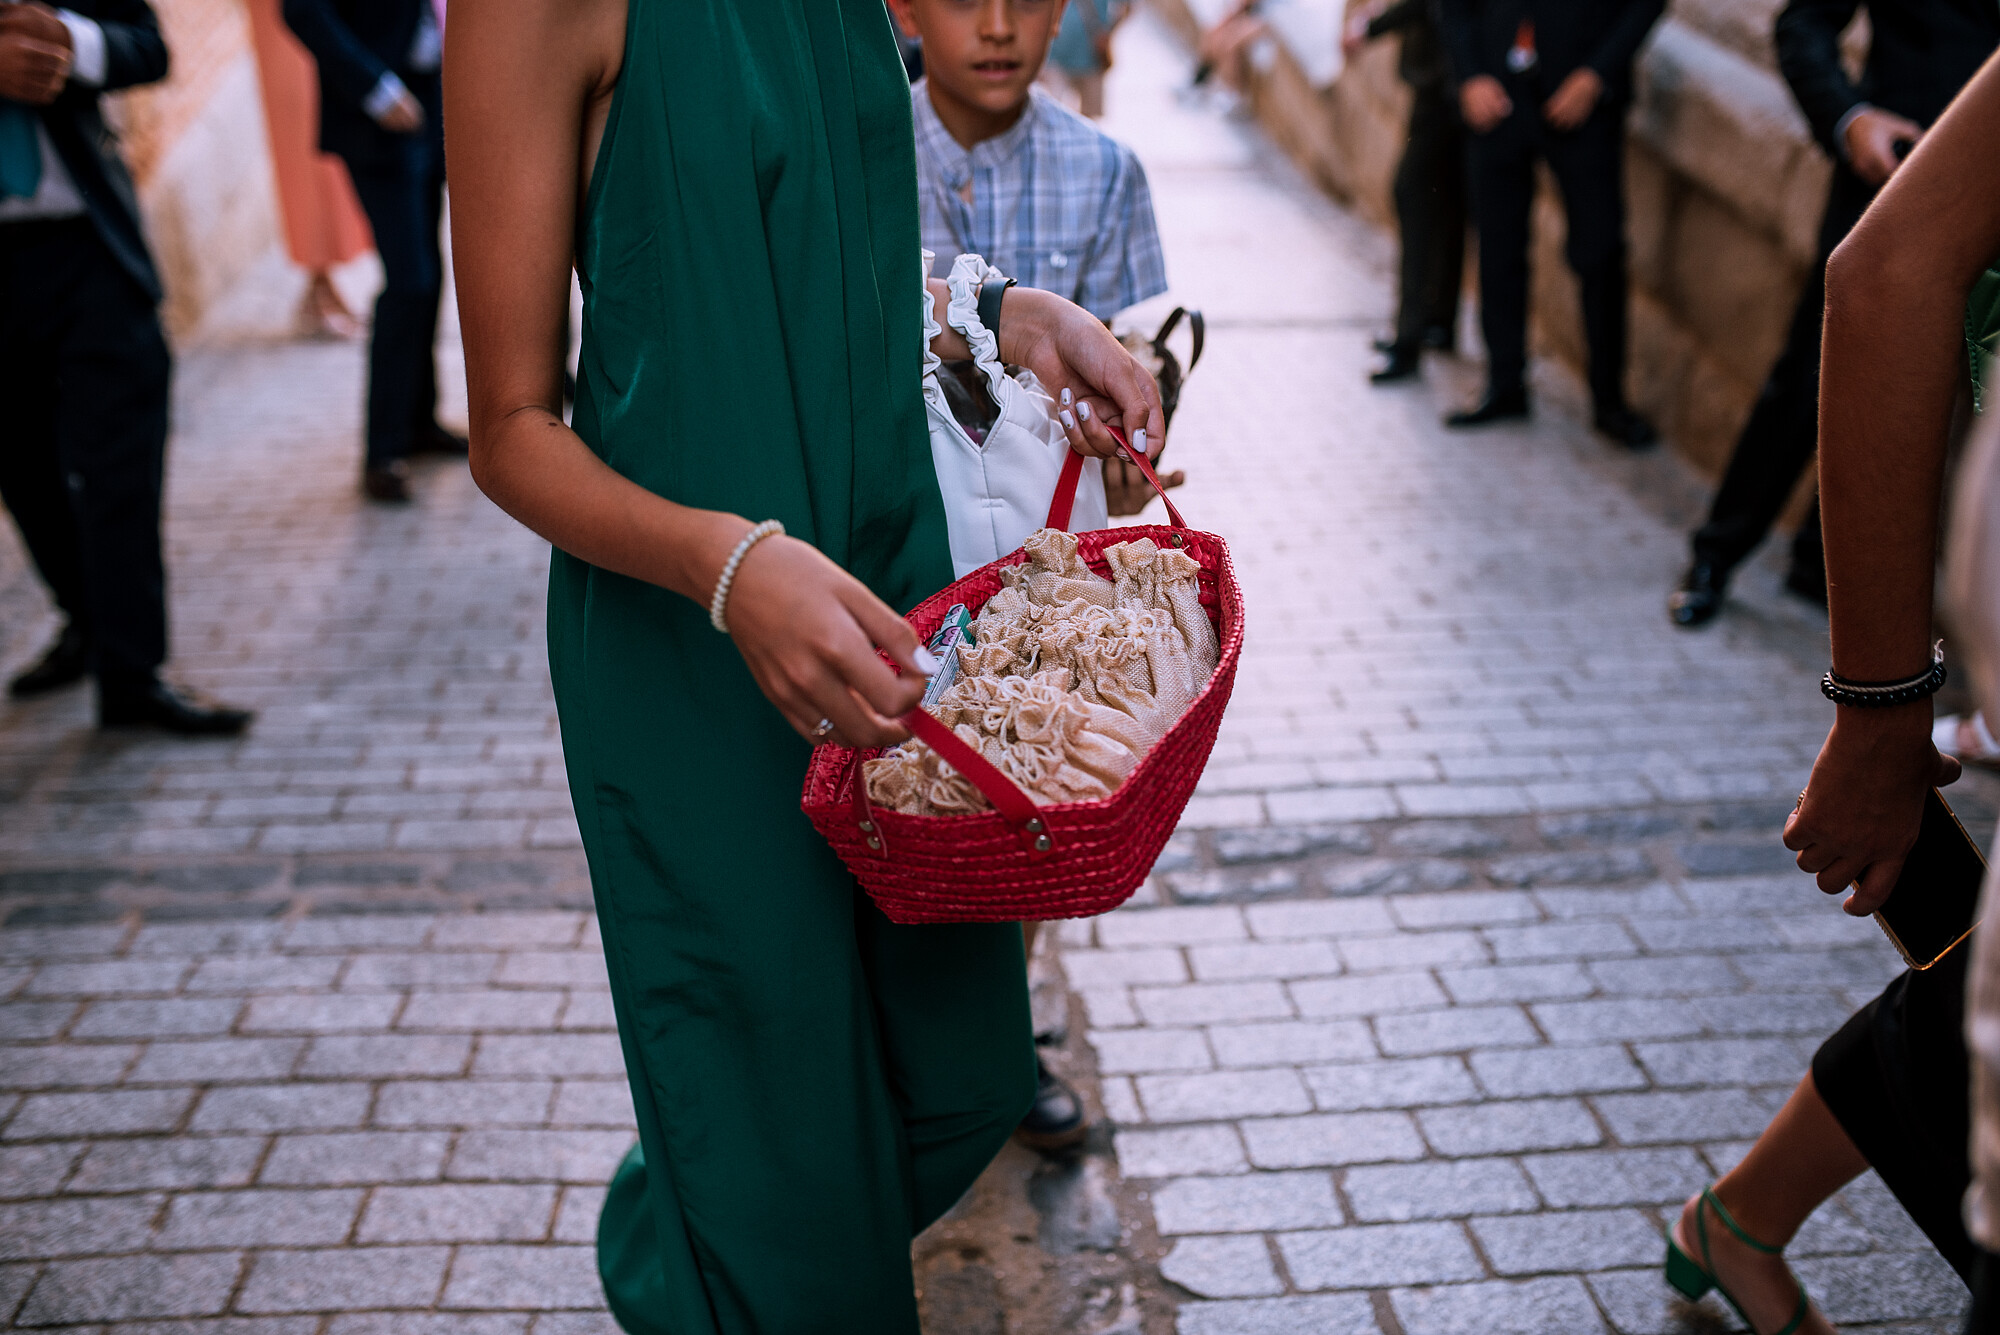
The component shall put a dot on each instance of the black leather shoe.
(1807, 582)
(390, 482)
(1508, 407)
(1056, 1122)
(1699, 597)
(1404, 363)
(64, 662)
(435, 440)
(1627, 428)
(158, 705)
(1439, 338)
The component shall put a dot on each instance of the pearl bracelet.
(770, 528)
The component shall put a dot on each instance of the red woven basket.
(1021, 861)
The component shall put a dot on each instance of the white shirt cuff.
(1840, 127)
(86, 42)
(387, 91)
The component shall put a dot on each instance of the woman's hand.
(1070, 351)
(1860, 812)
(808, 631)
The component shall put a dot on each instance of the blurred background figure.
(379, 110)
(1430, 188)
(1081, 52)
(324, 226)
(84, 368)
(1226, 47)
(1920, 54)
(1549, 81)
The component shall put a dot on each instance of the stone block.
(1458, 1029)
(32, 1230)
(177, 1162)
(1554, 1306)
(1318, 1314)
(576, 1217)
(1170, 926)
(1318, 918)
(214, 1059)
(36, 1019)
(1264, 959)
(129, 1288)
(167, 1017)
(555, 1277)
(589, 1010)
(1204, 1003)
(1527, 1072)
(606, 1103)
(483, 1009)
(1222, 1267)
(538, 1156)
(554, 968)
(1109, 1007)
(1393, 876)
(105, 1112)
(473, 1103)
(1291, 1042)
(1138, 1051)
(287, 1107)
(109, 978)
(488, 931)
(1245, 1203)
(1412, 950)
(1516, 982)
(1723, 1061)
(343, 1013)
(1376, 994)
(1179, 1151)
(1808, 1015)
(386, 1056)
(1561, 941)
(1508, 1128)
(549, 1054)
(1695, 1115)
(36, 1170)
(1666, 976)
(423, 969)
(430, 1323)
(1616, 1020)
(264, 973)
(332, 1280)
(361, 931)
(1378, 1255)
(358, 1158)
(1330, 1140)
(1571, 1241)
(63, 1066)
(1203, 1097)
(1891, 1286)
(204, 1220)
(458, 1212)
(1269, 843)
(1390, 1084)
(1593, 866)
(1467, 908)
(577, 1323)
(1089, 970)
(1208, 884)
(1397, 1193)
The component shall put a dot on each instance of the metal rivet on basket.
(1035, 825)
(867, 827)
(1179, 541)
(874, 843)
(1043, 844)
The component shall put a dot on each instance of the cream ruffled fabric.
(1070, 680)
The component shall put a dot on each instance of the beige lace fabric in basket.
(1071, 678)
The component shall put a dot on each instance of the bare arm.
(1891, 364)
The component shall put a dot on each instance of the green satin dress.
(813, 1084)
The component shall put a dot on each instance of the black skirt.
(1897, 1078)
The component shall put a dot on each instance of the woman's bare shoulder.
(569, 43)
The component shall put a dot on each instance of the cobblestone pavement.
(1474, 956)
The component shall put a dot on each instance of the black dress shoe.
(1807, 582)
(65, 661)
(1056, 1122)
(158, 705)
(1507, 407)
(1699, 597)
(1439, 338)
(1627, 428)
(1404, 363)
(434, 439)
(390, 482)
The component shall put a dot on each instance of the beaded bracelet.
(1881, 694)
(770, 528)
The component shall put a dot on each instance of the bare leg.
(1028, 932)
(1802, 1158)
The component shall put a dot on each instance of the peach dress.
(324, 225)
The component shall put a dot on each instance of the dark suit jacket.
(1921, 53)
(1569, 34)
(1421, 60)
(134, 53)
(355, 43)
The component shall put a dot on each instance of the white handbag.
(997, 490)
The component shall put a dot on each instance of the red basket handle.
(1007, 799)
(1072, 474)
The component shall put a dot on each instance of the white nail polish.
(1083, 411)
(1069, 423)
(1065, 398)
(925, 660)
(1139, 440)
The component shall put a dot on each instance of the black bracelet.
(1881, 694)
(990, 293)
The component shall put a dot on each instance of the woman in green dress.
(735, 185)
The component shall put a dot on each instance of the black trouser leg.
(31, 476)
(1430, 216)
(1984, 1317)
(1783, 429)
(402, 207)
(1503, 192)
(99, 338)
(1589, 167)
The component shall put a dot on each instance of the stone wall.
(198, 153)
(1725, 188)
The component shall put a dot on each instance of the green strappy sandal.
(1692, 1280)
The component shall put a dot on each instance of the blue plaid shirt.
(1056, 204)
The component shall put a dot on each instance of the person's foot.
(1699, 598)
(1761, 1284)
(1966, 737)
(1626, 428)
(1434, 338)
(63, 663)
(1404, 363)
(434, 439)
(389, 483)
(1509, 406)
(1809, 583)
(155, 704)
(1056, 1122)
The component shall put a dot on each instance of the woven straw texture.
(978, 867)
